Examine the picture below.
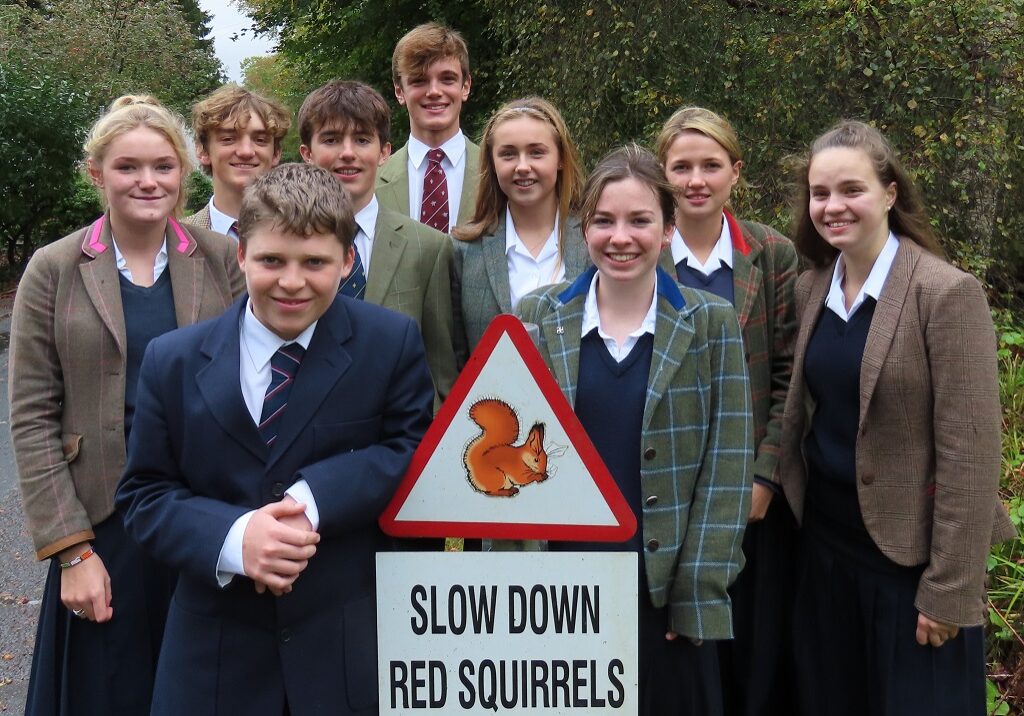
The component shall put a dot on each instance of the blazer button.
(285, 636)
(277, 490)
(868, 478)
(652, 545)
(651, 501)
(650, 453)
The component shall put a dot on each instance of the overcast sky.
(228, 21)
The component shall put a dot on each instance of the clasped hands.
(277, 545)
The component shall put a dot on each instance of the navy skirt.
(855, 646)
(80, 668)
(757, 665)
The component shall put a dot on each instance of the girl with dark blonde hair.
(86, 308)
(753, 267)
(678, 441)
(524, 233)
(890, 446)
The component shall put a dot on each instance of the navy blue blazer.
(358, 408)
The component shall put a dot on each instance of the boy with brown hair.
(266, 443)
(238, 139)
(433, 178)
(345, 127)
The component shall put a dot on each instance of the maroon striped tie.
(434, 208)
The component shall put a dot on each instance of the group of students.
(210, 494)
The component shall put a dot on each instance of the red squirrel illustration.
(494, 465)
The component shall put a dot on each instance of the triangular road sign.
(476, 472)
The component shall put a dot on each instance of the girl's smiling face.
(627, 232)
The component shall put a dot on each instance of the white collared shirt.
(366, 222)
(257, 345)
(221, 222)
(836, 302)
(721, 254)
(592, 320)
(159, 263)
(454, 165)
(526, 273)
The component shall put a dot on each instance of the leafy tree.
(41, 132)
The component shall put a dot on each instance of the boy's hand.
(275, 553)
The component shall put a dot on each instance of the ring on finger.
(80, 613)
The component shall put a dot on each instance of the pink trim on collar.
(183, 240)
(95, 233)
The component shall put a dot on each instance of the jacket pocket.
(71, 443)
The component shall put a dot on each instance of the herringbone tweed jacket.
(928, 447)
(696, 446)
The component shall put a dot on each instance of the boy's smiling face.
(292, 280)
(434, 100)
(353, 155)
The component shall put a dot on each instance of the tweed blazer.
(410, 272)
(393, 183)
(480, 286)
(201, 218)
(67, 369)
(696, 445)
(764, 269)
(928, 445)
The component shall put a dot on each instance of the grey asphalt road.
(21, 576)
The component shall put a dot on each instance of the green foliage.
(200, 189)
(42, 121)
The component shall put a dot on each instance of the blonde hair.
(702, 121)
(131, 112)
(299, 199)
(232, 107)
(491, 200)
(424, 45)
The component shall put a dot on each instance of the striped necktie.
(283, 366)
(354, 285)
(434, 207)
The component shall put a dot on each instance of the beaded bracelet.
(77, 560)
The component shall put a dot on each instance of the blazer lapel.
(325, 362)
(387, 251)
(188, 268)
(665, 262)
(393, 182)
(746, 279)
(562, 329)
(220, 386)
(577, 258)
(100, 277)
(470, 181)
(496, 263)
(885, 320)
(673, 334)
(811, 314)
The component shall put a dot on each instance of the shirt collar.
(592, 318)
(454, 149)
(366, 218)
(872, 286)
(122, 264)
(261, 343)
(221, 222)
(719, 256)
(515, 244)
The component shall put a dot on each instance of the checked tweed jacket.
(201, 218)
(393, 183)
(696, 445)
(928, 447)
(763, 275)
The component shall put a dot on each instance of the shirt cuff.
(300, 492)
(229, 564)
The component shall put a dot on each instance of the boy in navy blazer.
(266, 443)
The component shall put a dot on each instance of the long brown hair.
(491, 200)
(907, 217)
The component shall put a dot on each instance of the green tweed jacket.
(480, 287)
(410, 272)
(393, 183)
(764, 269)
(696, 446)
